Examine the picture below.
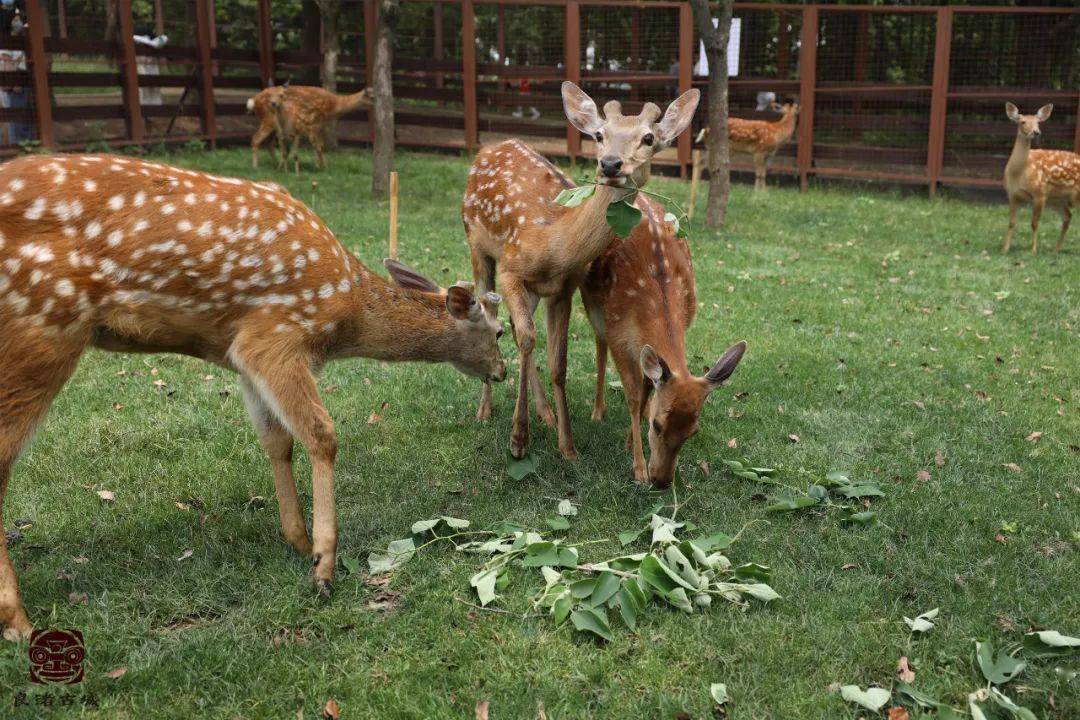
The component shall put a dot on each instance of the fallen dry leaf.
(919, 404)
(704, 466)
(793, 438)
(331, 711)
(733, 443)
(80, 560)
(374, 418)
(185, 555)
(999, 538)
(1013, 467)
(383, 601)
(848, 566)
(183, 506)
(107, 495)
(117, 673)
(923, 475)
(159, 383)
(482, 709)
(1035, 436)
(78, 598)
(898, 713)
(904, 671)
(939, 459)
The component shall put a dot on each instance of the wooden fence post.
(130, 73)
(440, 45)
(939, 98)
(572, 50)
(686, 78)
(39, 73)
(807, 85)
(1076, 140)
(371, 30)
(207, 110)
(266, 44)
(468, 68)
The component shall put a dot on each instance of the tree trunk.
(719, 154)
(112, 21)
(330, 10)
(383, 153)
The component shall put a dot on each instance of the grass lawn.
(883, 331)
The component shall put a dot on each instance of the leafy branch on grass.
(684, 573)
(622, 216)
(835, 492)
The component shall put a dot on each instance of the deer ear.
(654, 366)
(1012, 112)
(678, 115)
(460, 303)
(580, 109)
(408, 278)
(726, 365)
(1044, 112)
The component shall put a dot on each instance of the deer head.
(675, 408)
(276, 96)
(476, 322)
(625, 144)
(1028, 124)
(785, 109)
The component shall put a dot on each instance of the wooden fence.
(897, 93)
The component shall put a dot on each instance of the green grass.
(855, 307)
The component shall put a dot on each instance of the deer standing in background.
(640, 299)
(760, 138)
(1039, 177)
(310, 111)
(135, 256)
(540, 249)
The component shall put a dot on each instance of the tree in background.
(382, 160)
(719, 154)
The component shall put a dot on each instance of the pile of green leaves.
(835, 492)
(674, 571)
(622, 215)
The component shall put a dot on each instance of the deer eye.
(648, 139)
(499, 334)
(656, 427)
(599, 137)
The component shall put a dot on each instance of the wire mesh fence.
(911, 93)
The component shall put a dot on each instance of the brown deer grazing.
(309, 109)
(542, 249)
(640, 299)
(760, 138)
(1039, 177)
(135, 256)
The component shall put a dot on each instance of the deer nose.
(610, 166)
(500, 374)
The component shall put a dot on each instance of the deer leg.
(29, 380)
(260, 136)
(285, 383)
(637, 396)
(484, 279)
(558, 322)
(1066, 218)
(1013, 206)
(316, 140)
(1037, 205)
(278, 444)
(521, 304)
(599, 405)
(296, 153)
(543, 410)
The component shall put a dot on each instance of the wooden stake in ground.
(695, 180)
(393, 214)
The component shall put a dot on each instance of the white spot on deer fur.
(35, 211)
(521, 219)
(93, 229)
(5, 282)
(326, 291)
(116, 202)
(16, 184)
(17, 301)
(140, 225)
(113, 239)
(65, 288)
(89, 185)
(313, 255)
(344, 286)
(7, 198)
(168, 209)
(184, 226)
(37, 253)
(139, 200)
(189, 198)
(37, 276)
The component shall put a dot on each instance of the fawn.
(1039, 177)
(640, 299)
(308, 109)
(136, 256)
(760, 138)
(542, 249)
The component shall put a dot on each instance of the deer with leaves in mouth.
(537, 248)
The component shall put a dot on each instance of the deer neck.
(1019, 157)
(584, 231)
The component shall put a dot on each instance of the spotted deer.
(310, 110)
(760, 139)
(640, 298)
(1039, 177)
(540, 249)
(135, 256)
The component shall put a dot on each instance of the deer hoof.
(483, 413)
(598, 413)
(546, 416)
(517, 449)
(570, 453)
(325, 587)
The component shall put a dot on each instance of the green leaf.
(836, 478)
(1022, 713)
(606, 586)
(628, 608)
(351, 564)
(540, 553)
(734, 465)
(551, 576)
(520, 469)
(484, 582)
(922, 623)
(679, 599)
(764, 471)
(917, 695)
(817, 492)
(719, 693)
(557, 522)
(786, 503)
(592, 620)
(752, 571)
(623, 217)
(583, 588)
(455, 523)
(505, 527)
(947, 713)
(760, 591)
(568, 557)
(422, 526)
(997, 669)
(717, 541)
(572, 197)
(747, 475)
(397, 554)
(663, 529)
(681, 564)
(872, 698)
(567, 508)
(625, 538)
(853, 492)
(1046, 643)
(561, 609)
(660, 576)
(866, 517)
